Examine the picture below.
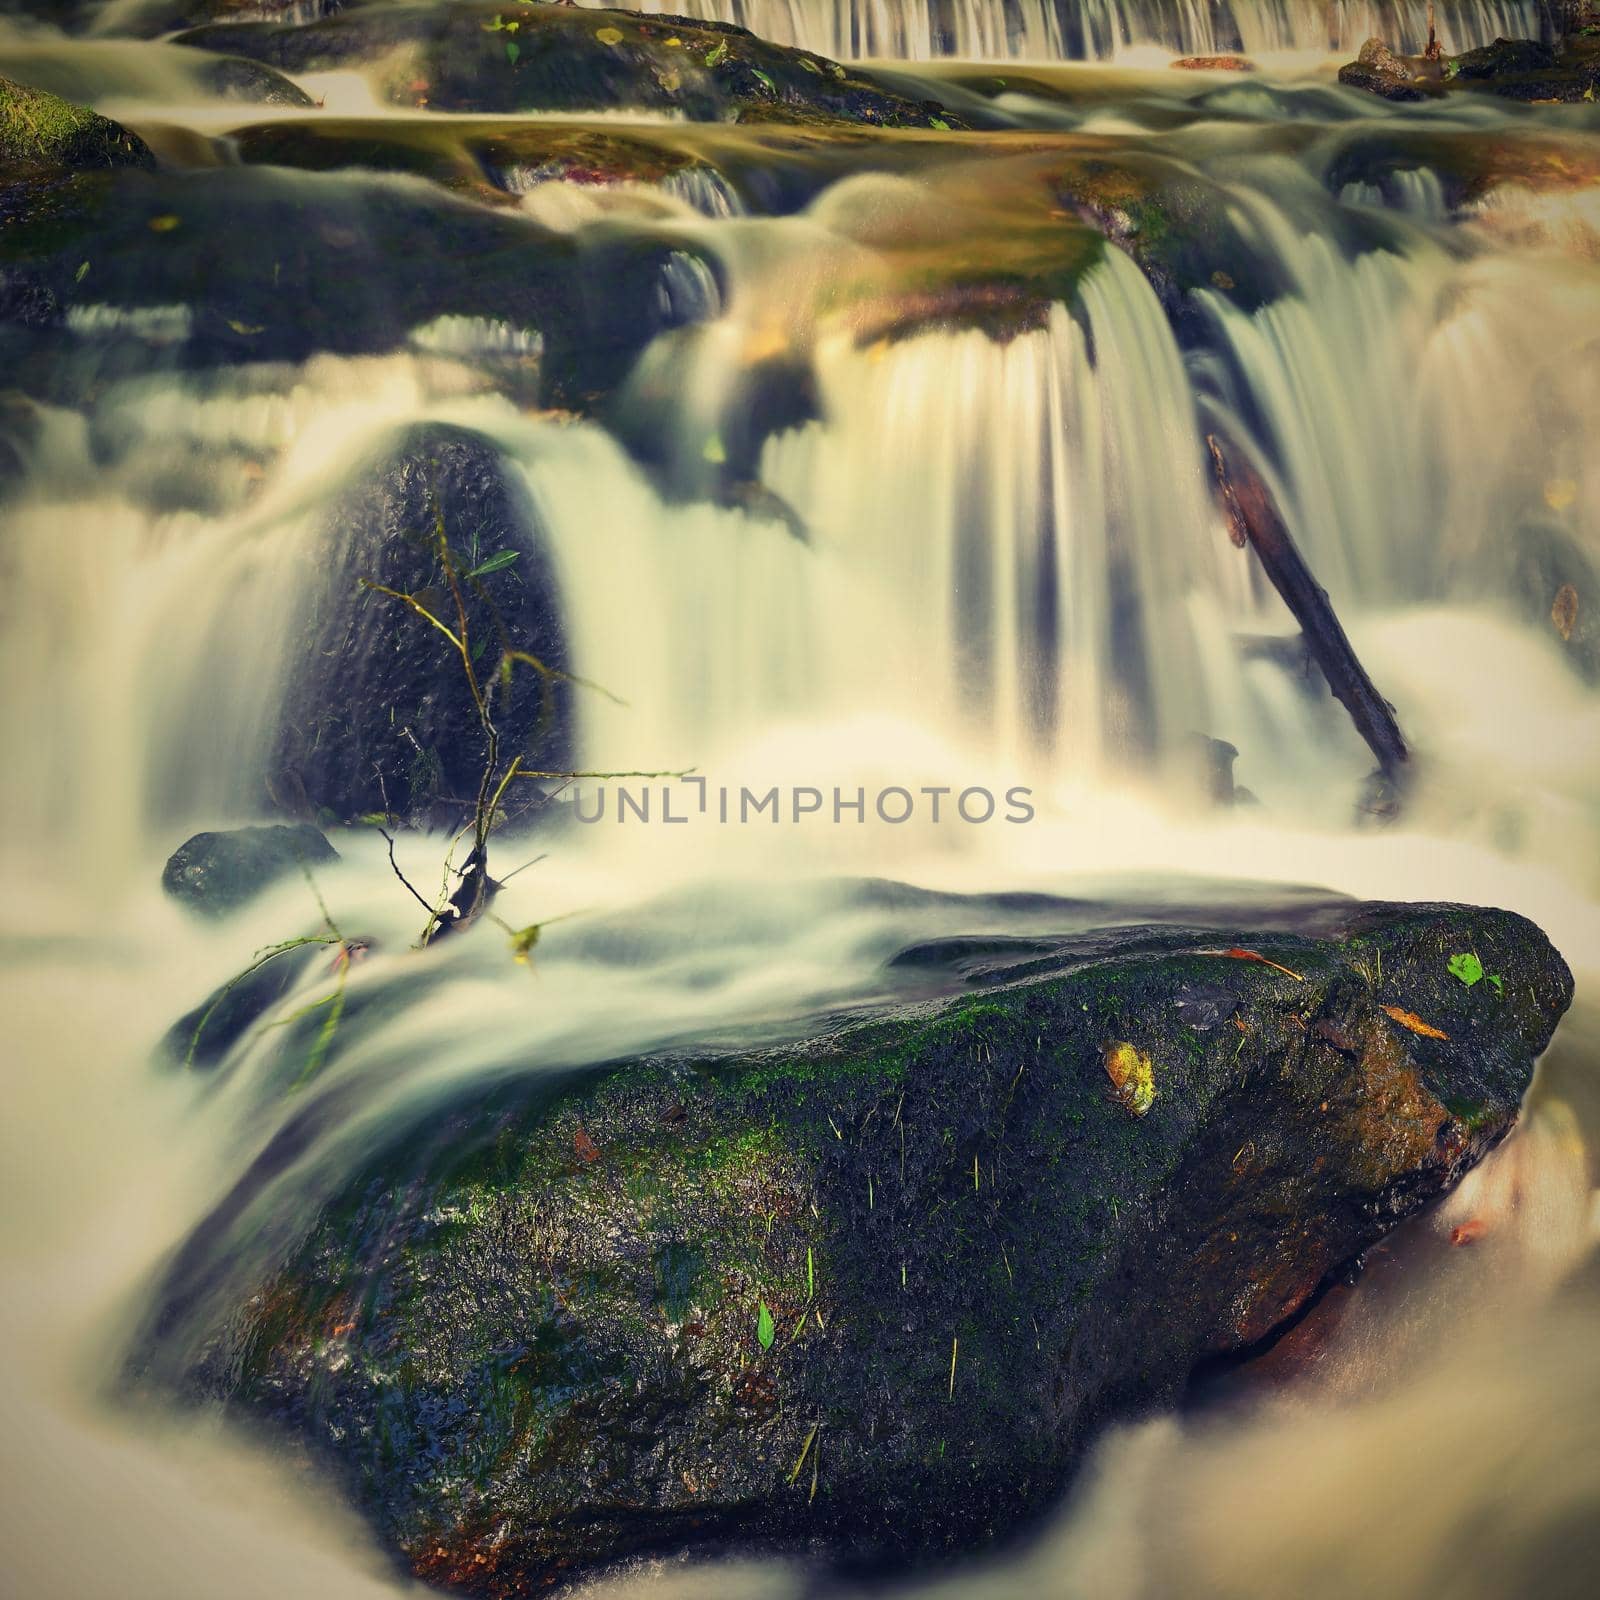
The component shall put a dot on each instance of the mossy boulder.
(491, 160)
(215, 873)
(319, 273)
(1524, 69)
(480, 57)
(1515, 69)
(866, 1296)
(379, 715)
(42, 135)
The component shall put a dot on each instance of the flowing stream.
(963, 562)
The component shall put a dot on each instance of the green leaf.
(82, 272)
(765, 79)
(1498, 982)
(1467, 967)
(714, 56)
(513, 50)
(765, 1333)
(939, 123)
(498, 562)
(811, 1275)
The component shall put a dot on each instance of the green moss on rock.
(531, 1333)
(41, 133)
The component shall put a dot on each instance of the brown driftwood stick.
(1253, 519)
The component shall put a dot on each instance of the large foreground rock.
(869, 1295)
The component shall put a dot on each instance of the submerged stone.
(215, 873)
(867, 1296)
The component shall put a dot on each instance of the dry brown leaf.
(1409, 1019)
(585, 1146)
(1564, 610)
(1236, 953)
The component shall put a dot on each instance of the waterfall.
(1094, 30)
(1010, 541)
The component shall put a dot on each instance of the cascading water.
(856, 513)
(1100, 30)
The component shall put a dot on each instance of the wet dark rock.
(215, 873)
(1516, 69)
(233, 78)
(866, 1296)
(319, 276)
(379, 718)
(1379, 71)
(1502, 57)
(1521, 69)
(483, 57)
(202, 1038)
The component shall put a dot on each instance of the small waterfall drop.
(1099, 30)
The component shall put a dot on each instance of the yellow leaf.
(608, 35)
(1564, 610)
(1409, 1019)
(1132, 1075)
(247, 329)
(164, 224)
(1559, 493)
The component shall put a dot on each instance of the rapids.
(810, 546)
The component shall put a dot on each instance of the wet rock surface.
(479, 57)
(216, 873)
(379, 716)
(1516, 69)
(866, 1296)
(160, 239)
(1379, 71)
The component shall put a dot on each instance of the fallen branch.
(1253, 519)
